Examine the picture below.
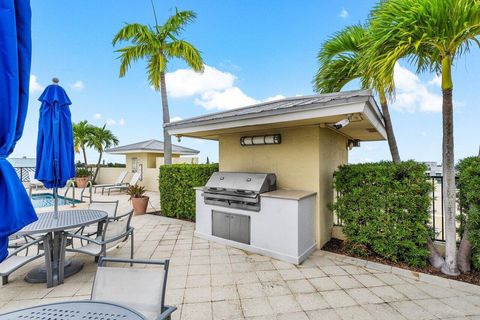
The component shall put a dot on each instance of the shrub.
(177, 181)
(384, 208)
(82, 173)
(469, 198)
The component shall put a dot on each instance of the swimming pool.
(41, 200)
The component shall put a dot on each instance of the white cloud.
(121, 122)
(78, 85)
(275, 97)
(186, 82)
(436, 81)
(414, 95)
(111, 122)
(34, 85)
(343, 14)
(173, 119)
(97, 116)
(230, 98)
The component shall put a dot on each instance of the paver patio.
(213, 281)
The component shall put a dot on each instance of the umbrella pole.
(55, 207)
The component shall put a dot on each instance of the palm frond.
(186, 51)
(177, 22)
(157, 64)
(136, 33)
(346, 41)
(131, 54)
(334, 75)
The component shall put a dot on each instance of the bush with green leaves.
(177, 181)
(82, 173)
(384, 208)
(469, 198)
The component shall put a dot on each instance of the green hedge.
(384, 208)
(177, 196)
(469, 198)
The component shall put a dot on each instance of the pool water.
(41, 200)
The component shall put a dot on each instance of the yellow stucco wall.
(305, 160)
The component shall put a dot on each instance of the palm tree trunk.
(167, 140)
(464, 256)
(392, 142)
(448, 163)
(98, 166)
(84, 156)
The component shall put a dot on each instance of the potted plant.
(138, 198)
(82, 175)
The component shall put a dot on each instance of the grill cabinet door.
(240, 228)
(220, 224)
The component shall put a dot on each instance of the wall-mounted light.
(353, 143)
(261, 140)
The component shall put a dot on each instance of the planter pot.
(140, 205)
(81, 182)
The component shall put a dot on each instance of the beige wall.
(109, 175)
(305, 160)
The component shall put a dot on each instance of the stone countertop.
(288, 194)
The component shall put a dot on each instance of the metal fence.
(437, 213)
(23, 173)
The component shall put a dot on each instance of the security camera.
(342, 123)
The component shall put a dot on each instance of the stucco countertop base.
(288, 194)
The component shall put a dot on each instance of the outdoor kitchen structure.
(277, 161)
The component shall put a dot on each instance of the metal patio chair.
(110, 207)
(14, 261)
(116, 230)
(140, 289)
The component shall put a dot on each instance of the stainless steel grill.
(239, 190)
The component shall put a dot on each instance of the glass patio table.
(56, 268)
(75, 310)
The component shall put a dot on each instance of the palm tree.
(431, 34)
(342, 59)
(82, 135)
(102, 139)
(158, 45)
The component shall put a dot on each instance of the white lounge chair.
(133, 181)
(117, 182)
(34, 182)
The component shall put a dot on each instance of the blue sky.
(254, 51)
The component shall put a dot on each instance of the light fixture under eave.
(261, 140)
(353, 143)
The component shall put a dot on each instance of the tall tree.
(341, 60)
(102, 139)
(158, 45)
(82, 135)
(431, 34)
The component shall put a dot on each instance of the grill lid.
(242, 183)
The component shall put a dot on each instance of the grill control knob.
(249, 179)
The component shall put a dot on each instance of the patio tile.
(263, 266)
(310, 273)
(256, 307)
(338, 298)
(220, 268)
(200, 269)
(346, 282)
(460, 303)
(411, 310)
(268, 276)
(195, 281)
(224, 293)
(246, 277)
(284, 304)
(324, 284)
(388, 294)
(438, 308)
(311, 301)
(364, 295)
(250, 290)
(368, 280)
(291, 274)
(193, 295)
(334, 271)
(411, 291)
(174, 296)
(222, 279)
(225, 310)
(354, 313)
(390, 278)
(197, 311)
(175, 282)
(276, 288)
(68, 289)
(382, 311)
(291, 316)
(282, 265)
(300, 286)
(328, 314)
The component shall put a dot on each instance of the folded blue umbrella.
(16, 210)
(55, 152)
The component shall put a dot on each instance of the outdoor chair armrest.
(116, 218)
(78, 236)
(25, 246)
(104, 259)
(166, 313)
